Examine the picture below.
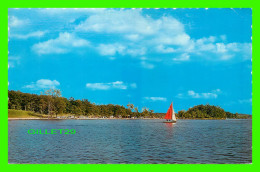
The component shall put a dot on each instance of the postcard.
(130, 86)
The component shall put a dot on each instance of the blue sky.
(149, 57)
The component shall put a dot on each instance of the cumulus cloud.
(137, 34)
(162, 35)
(183, 57)
(36, 34)
(130, 24)
(110, 85)
(133, 37)
(119, 49)
(61, 45)
(155, 98)
(181, 39)
(192, 94)
(136, 51)
(162, 49)
(212, 47)
(13, 21)
(121, 21)
(134, 26)
(111, 49)
(43, 84)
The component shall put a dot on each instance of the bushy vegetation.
(208, 112)
(51, 103)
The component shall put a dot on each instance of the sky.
(148, 57)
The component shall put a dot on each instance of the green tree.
(145, 112)
(51, 94)
(60, 105)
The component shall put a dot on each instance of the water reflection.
(169, 125)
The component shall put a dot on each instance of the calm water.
(132, 141)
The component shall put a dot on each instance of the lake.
(132, 141)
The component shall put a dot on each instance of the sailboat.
(170, 115)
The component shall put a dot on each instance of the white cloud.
(162, 35)
(36, 34)
(192, 94)
(212, 50)
(221, 48)
(243, 101)
(110, 85)
(162, 49)
(133, 37)
(111, 49)
(61, 45)
(183, 57)
(139, 35)
(15, 22)
(226, 57)
(134, 26)
(179, 39)
(204, 40)
(120, 21)
(206, 47)
(43, 84)
(156, 98)
(136, 51)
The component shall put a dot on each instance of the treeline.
(209, 112)
(52, 103)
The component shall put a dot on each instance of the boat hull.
(169, 121)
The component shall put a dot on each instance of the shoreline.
(81, 119)
(111, 119)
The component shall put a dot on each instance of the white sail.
(173, 115)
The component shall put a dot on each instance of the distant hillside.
(209, 112)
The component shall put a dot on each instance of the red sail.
(169, 113)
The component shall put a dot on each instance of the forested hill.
(209, 112)
(51, 104)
